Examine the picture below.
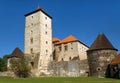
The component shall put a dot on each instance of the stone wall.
(67, 51)
(7, 73)
(68, 68)
(98, 61)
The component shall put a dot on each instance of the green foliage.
(20, 67)
(58, 80)
(3, 63)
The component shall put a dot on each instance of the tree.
(3, 63)
(20, 67)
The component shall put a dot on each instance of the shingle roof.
(55, 40)
(101, 42)
(17, 53)
(68, 39)
(116, 60)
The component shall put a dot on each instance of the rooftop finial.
(38, 7)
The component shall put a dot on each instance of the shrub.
(20, 67)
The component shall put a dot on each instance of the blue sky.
(84, 19)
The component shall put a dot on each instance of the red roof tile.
(116, 60)
(68, 39)
(55, 40)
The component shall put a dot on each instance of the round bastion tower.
(100, 55)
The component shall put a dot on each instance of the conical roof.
(17, 53)
(101, 42)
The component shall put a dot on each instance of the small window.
(31, 32)
(62, 59)
(31, 50)
(46, 51)
(31, 40)
(46, 18)
(32, 64)
(31, 23)
(45, 25)
(69, 58)
(46, 32)
(60, 48)
(46, 42)
(32, 16)
(66, 48)
(71, 48)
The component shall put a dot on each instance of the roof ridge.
(69, 38)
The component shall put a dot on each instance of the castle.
(67, 57)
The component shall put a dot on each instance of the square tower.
(38, 39)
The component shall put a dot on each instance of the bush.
(3, 63)
(20, 67)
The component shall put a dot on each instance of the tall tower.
(38, 39)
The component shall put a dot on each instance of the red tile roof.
(116, 60)
(68, 39)
(55, 40)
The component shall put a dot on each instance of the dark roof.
(101, 42)
(17, 53)
(37, 10)
(116, 60)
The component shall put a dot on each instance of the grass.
(58, 80)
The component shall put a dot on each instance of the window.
(45, 25)
(62, 59)
(69, 58)
(71, 48)
(60, 48)
(32, 64)
(31, 32)
(31, 40)
(46, 51)
(46, 18)
(46, 42)
(32, 16)
(46, 32)
(66, 48)
(31, 50)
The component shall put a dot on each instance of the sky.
(84, 19)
